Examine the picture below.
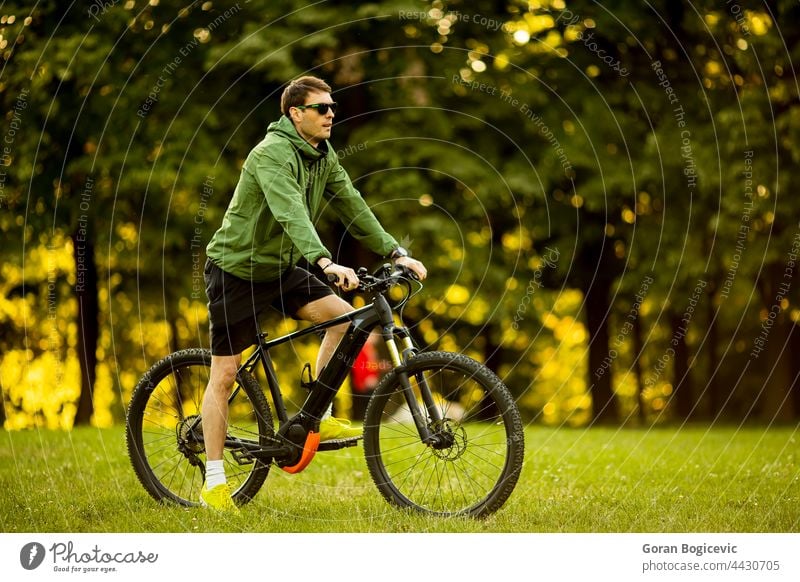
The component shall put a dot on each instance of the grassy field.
(596, 480)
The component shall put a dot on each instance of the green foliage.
(487, 135)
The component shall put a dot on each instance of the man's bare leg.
(317, 312)
(215, 403)
(323, 310)
(216, 493)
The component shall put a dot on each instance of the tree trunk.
(794, 348)
(775, 402)
(604, 404)
(493, 357)
(173, 343)
(174, 340)
(493, 353)
(2, 410)
(682, 382)
(715, 397)
(638, 351)
(88, 329)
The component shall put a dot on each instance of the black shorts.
(234, 304)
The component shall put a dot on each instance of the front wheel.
(475, 465)
(165, 432)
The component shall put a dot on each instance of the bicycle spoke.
(465, 468)
(164, 429)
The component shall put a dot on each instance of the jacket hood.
(285, 128)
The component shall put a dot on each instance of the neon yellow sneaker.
(336, 428)
(218, 498)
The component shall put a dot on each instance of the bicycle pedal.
(336, 444)
(242, 457)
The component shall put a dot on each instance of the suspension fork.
(409, 351)
(390, 334)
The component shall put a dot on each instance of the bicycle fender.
(309, 450)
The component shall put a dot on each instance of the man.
(252, 259)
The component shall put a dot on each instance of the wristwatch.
(399, 252)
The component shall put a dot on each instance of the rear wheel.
(478, 457)
(164, 432)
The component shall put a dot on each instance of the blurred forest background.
(601, 191)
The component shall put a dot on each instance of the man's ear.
(295, 114)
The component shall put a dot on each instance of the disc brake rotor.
(454, 435)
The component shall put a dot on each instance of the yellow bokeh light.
(457, 294)
(628, 215)
(521, 37)
(501, 61)
(478, 66)
(759, 23)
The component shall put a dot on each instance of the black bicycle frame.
(362, 321)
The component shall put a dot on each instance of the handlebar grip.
(406, 271)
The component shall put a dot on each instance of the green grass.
(596, 480)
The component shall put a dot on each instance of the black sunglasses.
(322, 108)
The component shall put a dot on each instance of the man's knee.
(223, 371)
(337, 330)
(325, 309)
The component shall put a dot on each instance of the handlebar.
(383, 278)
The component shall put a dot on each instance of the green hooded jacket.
(269, 223)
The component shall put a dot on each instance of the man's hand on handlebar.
(414, 266)
(343, 277)
(348, 280)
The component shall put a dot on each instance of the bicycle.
(442, 433)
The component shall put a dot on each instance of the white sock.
(215, 474)
(328, 413)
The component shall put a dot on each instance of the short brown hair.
(296, 92)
